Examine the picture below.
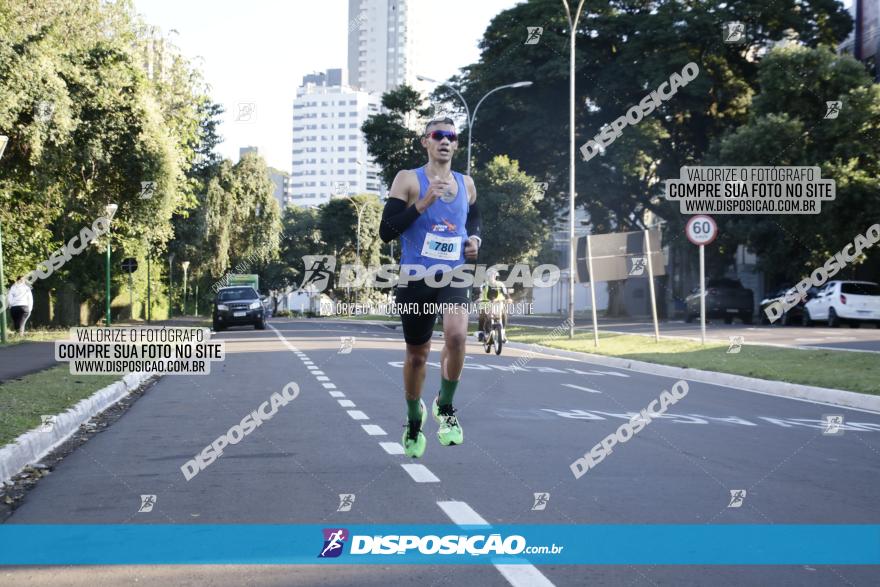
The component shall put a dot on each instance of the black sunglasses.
(439, 135)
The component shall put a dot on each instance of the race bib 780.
(440, 247)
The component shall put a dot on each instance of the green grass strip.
(49, 392)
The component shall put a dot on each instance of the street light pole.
(474, 117)
(470, 119)
(110, 209)
(572, 23)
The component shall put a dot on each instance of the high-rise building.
(386, 43)
(158, 52)
(863, 42)
(329, 153)
(242, 151)
(281, 181)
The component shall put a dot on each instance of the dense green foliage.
(95, 102)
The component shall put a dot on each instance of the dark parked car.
(794, 315)
(238, 306)
(725, 298)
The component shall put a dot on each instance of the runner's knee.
(455, 341)
(416, 359)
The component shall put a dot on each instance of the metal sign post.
(592, 293)
(651, 286)
(610, 257)
(702, 230)
(702, 294)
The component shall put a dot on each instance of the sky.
(257, 52)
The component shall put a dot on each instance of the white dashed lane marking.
(346, 403)
(392, 448)
(420, 473)
(373, 430)
(518, 575)
(580, 387)
(336, 394)
(358, 415)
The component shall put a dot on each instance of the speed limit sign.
(701, 229)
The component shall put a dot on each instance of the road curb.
(838, 397)
(35, 444)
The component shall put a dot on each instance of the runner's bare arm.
(473, 221)
(471, 188)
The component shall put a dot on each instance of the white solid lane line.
(346, 403)
(392, 448)
(581, 388)
(283, 340)
(358, 415)
(518, 575)
(373, 430)
(420, 473)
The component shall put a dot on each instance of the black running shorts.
(418, 303)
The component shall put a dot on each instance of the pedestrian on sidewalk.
(20, 301)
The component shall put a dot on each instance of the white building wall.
(329, 155)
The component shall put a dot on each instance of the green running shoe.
(450, 432)
(413, 439)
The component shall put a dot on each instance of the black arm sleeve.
(473, 221)
(396, 218)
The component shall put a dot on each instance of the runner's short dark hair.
(431, 123)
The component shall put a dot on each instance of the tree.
(242, 218)
(625, 49)
(86, 127)
(393, 135)
(338, 226)
(512, 229)
(301, 236)
(787, 127)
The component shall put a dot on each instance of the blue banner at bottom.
(440, 544)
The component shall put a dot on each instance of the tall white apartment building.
(386, 43)
(329, 151)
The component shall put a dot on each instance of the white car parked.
(853, 302)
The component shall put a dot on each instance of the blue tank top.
(437, 237)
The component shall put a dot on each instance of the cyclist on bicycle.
(492, 290)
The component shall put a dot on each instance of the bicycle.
(494, 337)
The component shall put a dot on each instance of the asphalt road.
(523, 428)
(866, 338)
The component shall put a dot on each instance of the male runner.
(433, 210)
